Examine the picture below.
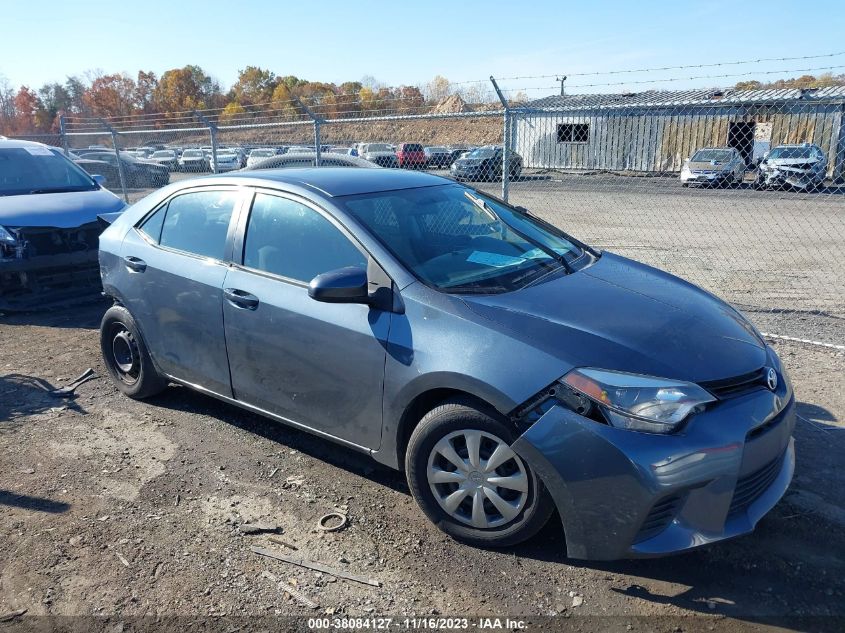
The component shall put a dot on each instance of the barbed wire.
(662, 68)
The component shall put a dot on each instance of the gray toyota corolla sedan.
(508, 368)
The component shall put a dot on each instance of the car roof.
(341, 181)
(11, 142)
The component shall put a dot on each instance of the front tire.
(469, 482)
(126, 357)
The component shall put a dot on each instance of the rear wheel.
(468, 480)
(126, 357)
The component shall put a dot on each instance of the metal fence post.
(212, 132)
(63, 134)
(116, 147)
(317, 122)
(505, 141)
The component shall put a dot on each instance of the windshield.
(164, 154)
(706, 155)
(257, 153)
(378, 147)
(792, 152)
(37, 169)
(453, 244)
(481, 152)
(192, 153)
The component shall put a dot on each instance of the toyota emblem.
(772, 379)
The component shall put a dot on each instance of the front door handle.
(135, 263)
(241, 298)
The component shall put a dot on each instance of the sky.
(410, 42)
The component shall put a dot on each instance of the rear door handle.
(135, 263)
(241, 298)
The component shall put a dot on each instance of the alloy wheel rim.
(477, 479)
(125, 355)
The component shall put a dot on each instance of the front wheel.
(126, 357)
(468, 480)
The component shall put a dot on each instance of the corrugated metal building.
(655, 131)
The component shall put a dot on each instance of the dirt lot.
(120, 508)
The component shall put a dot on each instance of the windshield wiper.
(59, 190)
(560, 259)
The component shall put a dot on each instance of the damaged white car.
(49, 226)
(798, 166)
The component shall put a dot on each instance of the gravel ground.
(120, 508)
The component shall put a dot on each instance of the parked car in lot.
(327, 159)
(798, 166)
(48, 226)
(485, 164)
(507, 367)
(458, 152)
(348, 151)
(410, 155)
(226, 161)
(436, 157)
(259, 154)
(167, 158)
(138, 173)
(713, 167)
(382, 154)
(193, 160)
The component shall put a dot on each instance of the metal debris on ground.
(298, 596)
(69, 390)
(341, 519)
(283, 543)
(12, 615)
(260, 528)
(308, 564)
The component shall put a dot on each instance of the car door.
(176, 259)
(318, 365)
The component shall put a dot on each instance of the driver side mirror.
(344, 285)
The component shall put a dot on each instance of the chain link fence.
(740, 192)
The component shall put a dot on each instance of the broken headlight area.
(29, 242)
(625, 401)
(38, 264)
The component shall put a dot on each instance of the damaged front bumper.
(624, 494)
(786, 177)
(49, 266)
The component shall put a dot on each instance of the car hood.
(623, 315)
(706, 165)
(59, 210)
(789, 162)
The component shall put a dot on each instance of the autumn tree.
(111, 96)
(254, 85)
(232, 112)
(185, 89)
(281, 101)
(27, 106)
(145, 86)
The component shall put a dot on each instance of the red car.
(410, 155)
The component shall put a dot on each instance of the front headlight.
(639, 403)
(6, 237)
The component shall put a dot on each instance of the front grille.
(738, 385)
(659, 518)
(750, 487)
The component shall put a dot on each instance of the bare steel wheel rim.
(125, 355)
(477, 479)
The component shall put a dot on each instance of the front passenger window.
(292, 240)
(198, 222)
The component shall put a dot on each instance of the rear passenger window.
(292, 240)
(151, 227)
(198, 222)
